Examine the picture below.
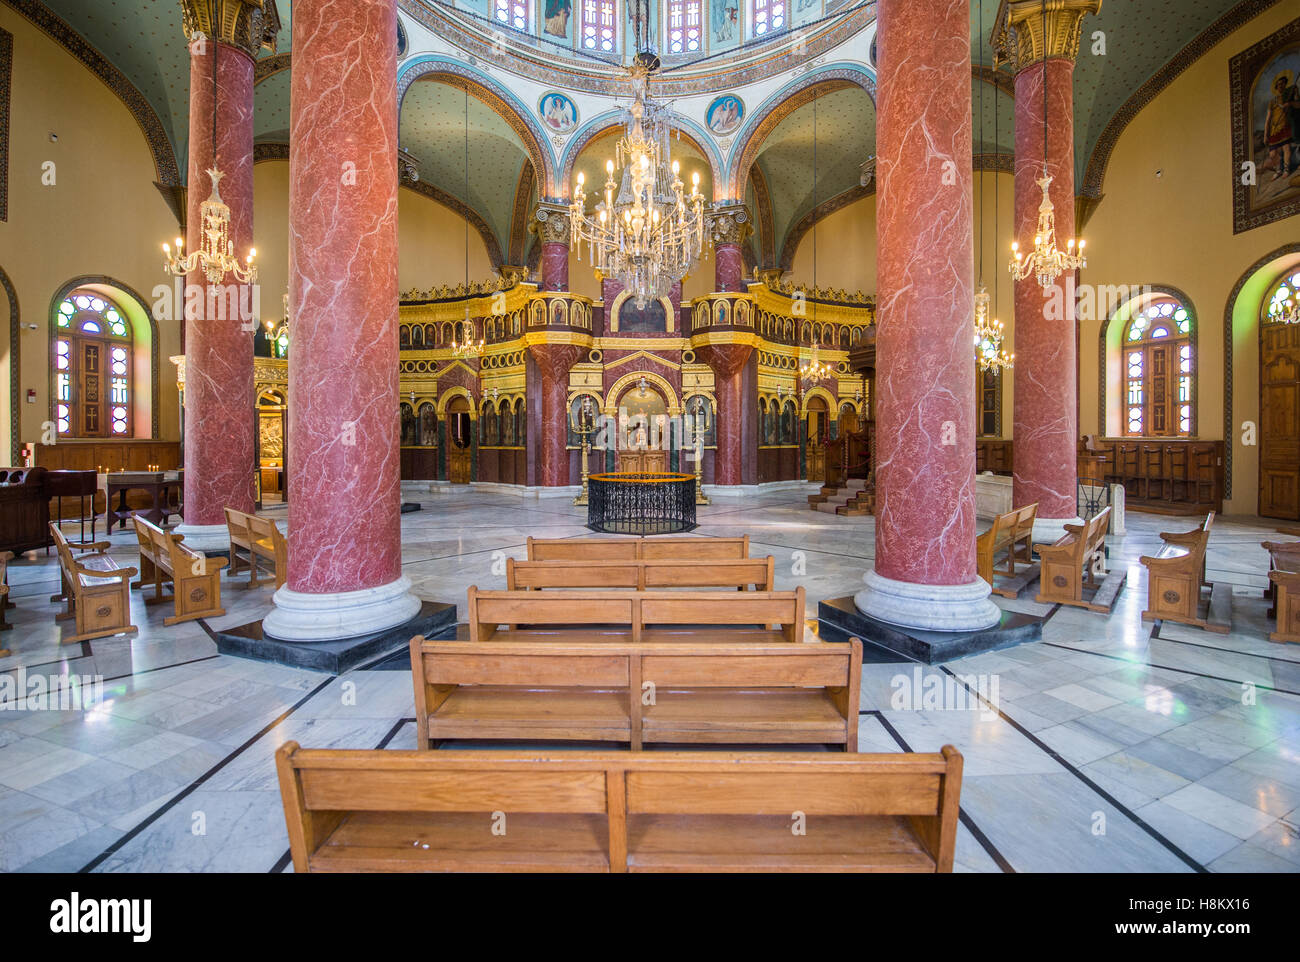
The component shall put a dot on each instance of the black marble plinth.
(434, 620)
(840, 619)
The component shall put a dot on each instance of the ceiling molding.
(57, 29)
(268, 67)
(1095, 173)
(820, 212)
(779, 106)
(520, 214)
(763, 214)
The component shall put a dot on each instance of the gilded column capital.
(1026, 32)
(728, 223)
(248, 25)
(551, 223)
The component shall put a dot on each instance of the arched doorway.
(1279, 402)
(460, 441)
(272, 432)
(643, 430)
(818, 430)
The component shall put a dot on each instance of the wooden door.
(814, 449)
(1279, 421)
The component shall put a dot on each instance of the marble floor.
(1114, 747)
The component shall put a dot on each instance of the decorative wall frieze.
(1026, 32)
(247, 25)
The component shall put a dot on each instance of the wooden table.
(159, 485)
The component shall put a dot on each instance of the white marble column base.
(930, 607)
(306, 616)
(204, 537)
(1050, 530)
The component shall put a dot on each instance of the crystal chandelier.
(646, 232)
(216, 256)
(1047, 262)
(815, 369)
(989, 354)
(278, 334)
(469, 348)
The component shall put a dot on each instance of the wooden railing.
(1178, 476)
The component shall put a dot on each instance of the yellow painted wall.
(430, 239)
(102, 216)
(846, 256)
(1176, 229)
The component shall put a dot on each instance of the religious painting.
(724, 22)
(725, 114)
(556, 14)
(558, 112)
(427, 432)
(643, 419)
(651, 319)
(1265, 94)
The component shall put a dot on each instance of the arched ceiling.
(432, 128)
(143, 39)
(844, 133)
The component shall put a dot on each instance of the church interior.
(634, 421)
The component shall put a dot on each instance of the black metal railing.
(1093, 496)
(641, 503)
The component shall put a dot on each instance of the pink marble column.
(553, 362)
(1046, 414)
(555, 266)
(219, 451)
(735, 408)
(345, 575)
(728, 267)
(924, 575)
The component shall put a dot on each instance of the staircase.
(852, 499)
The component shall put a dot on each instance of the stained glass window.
(92, 368)
(512, 12)
(769, 16)
(1159, 370)
(598, 25)
(1283, 299)
(684, 25)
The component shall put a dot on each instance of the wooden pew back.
(699, 691)
(758, 573)
(368, 811)
(633, 613)
(636, 549)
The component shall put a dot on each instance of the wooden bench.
(636, 616)
(1009, 532)
(195, 579)
(5, 603)
(98, 592)
(1284, 589)
(257, 538)
(742, 573)
(507, 811)
(636, 549)
(1073, 563)
(679, 692)
(1175, 578)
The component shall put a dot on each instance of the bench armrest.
(1187, 537)
(1171, 563)
(97, 573)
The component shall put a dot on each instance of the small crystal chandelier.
(278, 334)
(646, 232)
(815, 369)
(216, 256)
(989, 354)
(469, 348)
(1047, 262)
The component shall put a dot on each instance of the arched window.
(1283, 299)
(93, 368)
(597, 29)
(1159, 369)
(769, 16)
(684, 25)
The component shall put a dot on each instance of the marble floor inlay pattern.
(1108, 745)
